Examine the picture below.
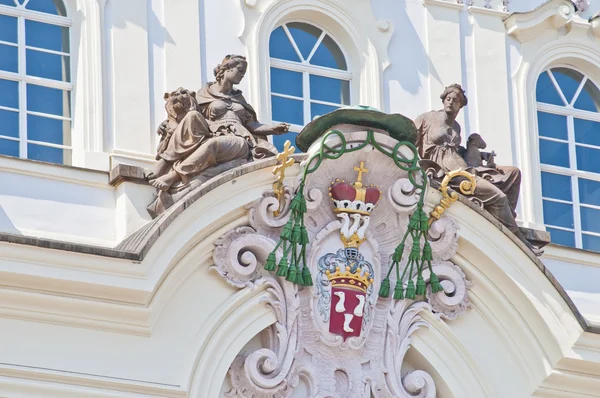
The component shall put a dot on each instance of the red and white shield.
(346, 313)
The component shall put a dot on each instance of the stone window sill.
(71, 174)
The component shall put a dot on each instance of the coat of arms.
(350, 275)
(349, 264)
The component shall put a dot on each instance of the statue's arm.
(265, 129)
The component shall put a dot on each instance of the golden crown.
(355, 197)
(353, 280)
(354, 241)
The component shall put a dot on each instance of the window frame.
(307, 69)
(23, 79)
(574, 174)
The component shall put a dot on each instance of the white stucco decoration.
(363, 38)
(526, 26)
(302, 343)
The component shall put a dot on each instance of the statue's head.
(232, 69)
(454, 98)
(476, 141)
(180, 102)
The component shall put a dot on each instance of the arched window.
(568, 112)
(309, 76)
(35, 80)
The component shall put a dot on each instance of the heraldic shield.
(349, 264)
(347, 304)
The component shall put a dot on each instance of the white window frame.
(21, 13)
(307, 69)
(571, 113)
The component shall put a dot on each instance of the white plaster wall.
(65, 204)
(578, 272)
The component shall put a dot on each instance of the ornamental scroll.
(346, 293)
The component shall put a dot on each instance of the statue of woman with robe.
(439, 145)
(219, 126)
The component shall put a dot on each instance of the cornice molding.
(443, 3)
(551, 15)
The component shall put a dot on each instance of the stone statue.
(474, 156)
(212, 127)
(439, 145)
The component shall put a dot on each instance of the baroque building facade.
(146, 250)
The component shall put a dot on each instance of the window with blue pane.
(309, 76)
(35, 80)
(568, 105)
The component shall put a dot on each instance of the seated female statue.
(215, 127)
(438, 143)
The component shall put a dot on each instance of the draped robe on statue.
(497, 188)
(214, 134)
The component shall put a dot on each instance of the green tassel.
(271, 262)
(306, 277)
(398, 291)
(283, 267)
(420, 286)
(299, 203)
(410, 290)
(397, 256)
(436, 286)
(296, 234)
(415, 252)
(413, 224)
(286, 233)
(303, 236)
(424, 221)
(292, 273)
(427, 252)
(384, 290)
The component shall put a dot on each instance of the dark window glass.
(589, 192)
(589, 98)
(558, 214)
(286, 82)
(553, 126)
(48, 154)
(281, 47)
(287, 110)
(555, 153)
(49, 130)
(9, 58)
(590, 219)
(9, 93)
(9, 123)
(560, 237)
(55, 7)
(556, 186)
(49, 66)
(47, 36)
(588, 159)
(329, 54)
(48, 100)
(568, 80)
(320, 109)
(546, 92)
(279, 140)
(305, 36)
(9, 147)
(587, 132)
(330, 90)
(7, 3)
(591, 242)
(8, 28)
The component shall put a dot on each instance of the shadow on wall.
(6, 224)
(408, 53)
